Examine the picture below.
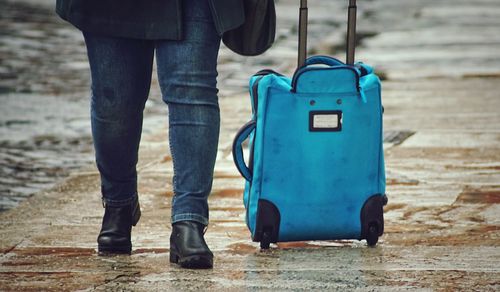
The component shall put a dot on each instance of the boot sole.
(113, 250)
(193, 261)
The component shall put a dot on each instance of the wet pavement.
(441, 65)
(44, 127)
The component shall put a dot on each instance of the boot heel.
(136, 215)
(174, 258)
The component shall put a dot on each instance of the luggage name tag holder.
(325, 121)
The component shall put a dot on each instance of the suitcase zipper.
(255, 86)
(255, 93)
(305, 69)
(255, 97)
(255, 90)
(356, 72)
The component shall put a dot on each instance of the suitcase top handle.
(351, 33)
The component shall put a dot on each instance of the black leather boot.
(188, 247)
(117, 223)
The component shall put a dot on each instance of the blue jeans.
(121, 72)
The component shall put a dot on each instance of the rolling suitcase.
(316, 163)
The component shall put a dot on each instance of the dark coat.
(148, 19)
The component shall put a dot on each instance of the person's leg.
(121, 77)
(187, 76)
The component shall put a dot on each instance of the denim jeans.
(121, 70)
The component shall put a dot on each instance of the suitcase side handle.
(238, 158)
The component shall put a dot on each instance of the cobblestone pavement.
(441, 65)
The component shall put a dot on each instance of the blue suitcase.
(316, 165)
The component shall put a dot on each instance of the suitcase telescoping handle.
(351, 33)
(302, 33)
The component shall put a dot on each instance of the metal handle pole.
(302, 33)
(351, 32)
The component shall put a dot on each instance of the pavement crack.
(8, 250)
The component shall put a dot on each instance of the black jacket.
(148, 19)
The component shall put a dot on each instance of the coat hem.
(132, 30)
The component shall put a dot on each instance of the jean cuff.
(119, 203)
(190, 217)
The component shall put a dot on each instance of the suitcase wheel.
(265, 240)
(373, 233)
(372, 219)
(268, 223)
